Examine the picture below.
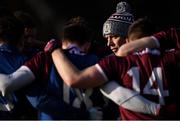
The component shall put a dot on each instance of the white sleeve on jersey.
(117, 93)
(129, 99)
(156, 41)
(16, 80)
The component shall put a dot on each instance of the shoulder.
(39, 59)
(92, 56)
(86, 59)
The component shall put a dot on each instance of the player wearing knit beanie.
(118, 23)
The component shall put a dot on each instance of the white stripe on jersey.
(101, 71)
(6, 107)
(117, 93)
(147, 50)
(156, 41)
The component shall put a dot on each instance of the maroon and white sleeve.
(127, 98)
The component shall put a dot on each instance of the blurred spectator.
(11, 30)
(31, 45)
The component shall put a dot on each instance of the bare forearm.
(64, 67)
(137, 45)
(87, 78)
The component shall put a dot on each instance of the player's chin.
(115, 50)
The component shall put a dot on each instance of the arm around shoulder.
(72, 76)
(137, 45)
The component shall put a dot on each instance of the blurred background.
(51, 14)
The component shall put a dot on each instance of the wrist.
(52, 45)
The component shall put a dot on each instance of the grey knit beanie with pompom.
(118, 23)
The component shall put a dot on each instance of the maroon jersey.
(149, 73)
(40, 65)
(169, 38)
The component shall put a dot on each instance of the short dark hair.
(77, 30)
(142, 27)
(11, 29)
